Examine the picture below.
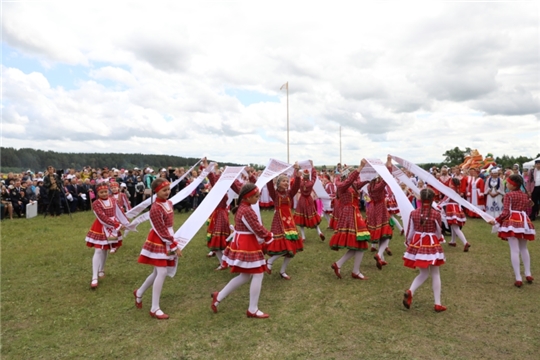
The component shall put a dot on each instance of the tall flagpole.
(288, 122)
(286, 86)
(340, 145)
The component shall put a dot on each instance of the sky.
(194, 79)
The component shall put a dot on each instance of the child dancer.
(105, 232)
(516, 228)
(219, 227)
(455, 217)
(244, 254)
(351, 232)
(120, 197)
(286, 242)
(305, 212)
(423, 248)
(160, 249)
(378, 218)
(330, 189)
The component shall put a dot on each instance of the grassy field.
(49, 312)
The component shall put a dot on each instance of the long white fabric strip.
(432, 181)
(190, 227)
(178, 197)
(139, 208)
(405, 206)
(318, 186)
(273, 169)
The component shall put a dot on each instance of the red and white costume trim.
(513, 220)
(475, 195)
(244, 253)
(424, 238)
(160, 245)
(306, 212)
(104, 233)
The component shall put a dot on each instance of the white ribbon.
(190, 227)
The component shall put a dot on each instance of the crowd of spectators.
(66, 191)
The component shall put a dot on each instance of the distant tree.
(455, 156)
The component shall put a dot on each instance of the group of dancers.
(243, 249)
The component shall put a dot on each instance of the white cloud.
(405, 78)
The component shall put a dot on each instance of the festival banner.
(190, 227)
(143, 205)
(432, 181)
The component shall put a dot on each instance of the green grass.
(49, 312)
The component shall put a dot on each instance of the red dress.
(123, 202)
(244, 253)
(160, 242)
(306, 212)
(286, 241)
(475, 195)
(351, 231)
(424, 240)
(218, 226)
(336, 205)
(104, 232)
(454, 212)
(513, 220)
(391, 202)
(378, 218)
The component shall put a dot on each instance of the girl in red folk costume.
(423, 248)
(378, 218)
(351, 232)
(330, 189)
(305, 214)
(120, 197)
(160, 249)
(455, 217)
(219, 227)
(244, 254)
(286, 242)
(516, 228)
(105, 232)
(475, 192)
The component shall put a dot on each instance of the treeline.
(38, 160)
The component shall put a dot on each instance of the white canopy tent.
(530, 164)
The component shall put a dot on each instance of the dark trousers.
(535, 197)
(54, 202)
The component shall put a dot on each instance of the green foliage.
(49, 312)
(455, 156)
(37, 160)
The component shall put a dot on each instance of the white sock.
(358, 256)
(525, 257)
(157, 286)
(96, 262)
(302, 234)
(147, 283)
(284, 265)
(270, 261)
(514, 256)
(396, 222)
(104, 255)
(456, 230)
(327, 217)
(255, 292)
(453, 233)
(318, 230)
(349, 254)
(383, 244)
(232, 285)
(419, 279)
(219, 255)
(436, 284)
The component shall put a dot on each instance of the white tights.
(303, 235)
(517, 247)
(396, 222)
(156, 280)
(435, 282)
(358, 256)
(383, 244)
(254, 289)
(219, 255)
(457, 231)
(98, 262)
(283, 266)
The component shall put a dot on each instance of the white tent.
(530, 164)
